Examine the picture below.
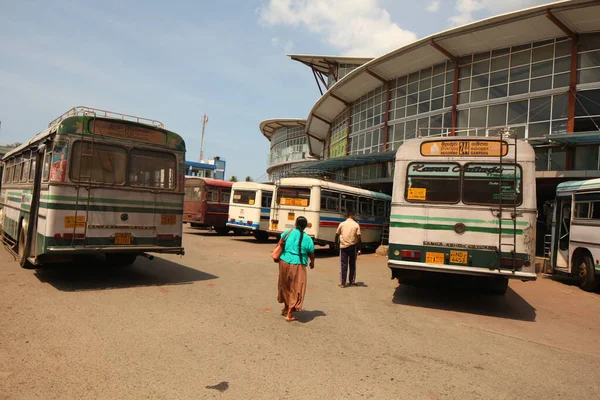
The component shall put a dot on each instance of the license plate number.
(122, 238)
(434, 258)
(273, 227)
(291, 216)
(458, 257)
(168, 219)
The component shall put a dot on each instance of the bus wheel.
(261, 236)
(586, 273)
(193, 225)
(120, 258)
(222, 231)
(498, 286)
(21, 248)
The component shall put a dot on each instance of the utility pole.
(204, 122)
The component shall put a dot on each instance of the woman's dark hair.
(301, 224)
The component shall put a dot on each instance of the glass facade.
(524, 87)
(288, 144)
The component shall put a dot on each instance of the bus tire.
(22, 258)
(222, 231)
(587, 274)
(193, 225)
(498, 286)
(261, 236)
(124, 259)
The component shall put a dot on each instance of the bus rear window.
(99, 163)
(193, 193)
(152, 169)
(433, 183)
(244, 197)
(298, 197)
(488, 183)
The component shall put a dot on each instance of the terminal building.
(214, 169)
(535, 71)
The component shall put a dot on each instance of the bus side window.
(596, 210)
(225, 196)
(379, 208)
(46, 170)
(25, 170)
(582, 210)
(32, 171)
(212, 195)
(330, 201)
(365, 206)
(348, 203)
(266, 200)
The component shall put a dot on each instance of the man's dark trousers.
(348, 258)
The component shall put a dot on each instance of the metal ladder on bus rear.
(88, 178)
(507, 207)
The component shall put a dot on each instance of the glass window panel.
(563, 49)
(479, 95)
(588, 103)
(464, 85)
(520, 58)
(543, 53)
(481, 81)
(497, 115)
(399, 132)
(497, 92)
(411, 110)
(400, 113)
(586, 158)
(447, 120)
(517, 112)
(402, 80)
(414, 77)
(425, 84)
(500, 63)
(541, 69)
(500, 52)
(450, 76)
(558, 159)
(438, 187)
(560, 106)
(591, 59)
(462, 119)
(465, 60)
(400, 102)
(561, 80)
(423, 107)
(589, 41)
(423, 126)
(541, 159)
(587, 124)
(435, 122)
(539, 129)
(401, 92)
(481, 56)
(477, 117)
(437, 92)
(448, 101)
(539, 84)
(519, 73)
(521, 47)
(109, 164)
(463, 98)
(439, 68)
(449, 88)
(482, 67)
(437, 80)
(543, 43)
(437, 104)
(410, 130)
(413, 88)
(412, 99)
(539, 109)
(464, 72)
(424, 95)
(562, 65)
(519, 88)
(497, 78)
(588, 75)
(425, 73)
(559, 127)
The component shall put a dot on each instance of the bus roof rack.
(83, 110)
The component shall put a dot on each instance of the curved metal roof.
(325, 63)
(529, 25)
(268, 126)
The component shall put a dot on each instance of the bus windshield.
(433, 182)
(193, 193)
(490, 183)
(152, 169)
(106, 166)
(244, 197)
(299, 197)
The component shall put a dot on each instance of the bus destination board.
(127, 131)
(468, 148)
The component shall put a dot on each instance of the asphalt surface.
(207, 325)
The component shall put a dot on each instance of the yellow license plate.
(291, 216)
(434, 258)
(459, 257)
(273, 227)
(122, 238)
(168, 219)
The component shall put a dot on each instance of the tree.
(233, 179)
(249, 179)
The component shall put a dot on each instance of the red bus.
(206, 203)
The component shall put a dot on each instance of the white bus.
(575, 246)
(325, 204)
(250, 208)
(464, 206)
(94, 182)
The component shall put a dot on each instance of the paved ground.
(208, 326)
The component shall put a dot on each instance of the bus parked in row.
(207, 203)
(250, 208)
(94, 182)
(575, 246)
(325, 205)
(464, 206)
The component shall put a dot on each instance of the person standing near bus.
(348, 239)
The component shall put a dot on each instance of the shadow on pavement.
(96, 274)
(465, 300)
(568, 281)
(307, 316)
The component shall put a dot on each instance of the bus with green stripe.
(94, 182)
(464, 206)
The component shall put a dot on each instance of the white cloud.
(275, 41)
(289, 45)
(434, 6)
(466, 8)
(354, 27)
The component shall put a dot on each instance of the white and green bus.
(94, 182)
(575, 248)
(464, 206)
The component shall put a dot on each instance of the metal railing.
(83, 110)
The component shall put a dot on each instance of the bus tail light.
(411, 254)
(232, 220)
(57, 236)
(249, 222)
(309, 225)
(165, 236)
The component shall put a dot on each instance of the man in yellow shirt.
(348, 238)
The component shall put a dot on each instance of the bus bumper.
(121, 249)
(240, 226)
(462, 270)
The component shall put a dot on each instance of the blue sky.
(174, 61)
